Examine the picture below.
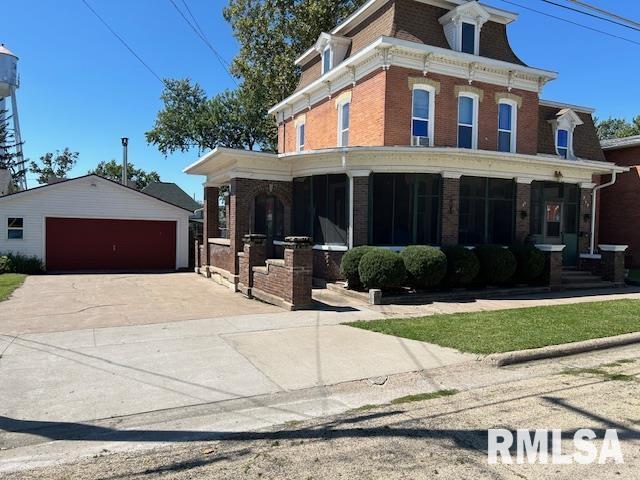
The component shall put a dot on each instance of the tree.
(617, 128)
(8, 157)
(113, 171)
(271, 34)
(54, 165)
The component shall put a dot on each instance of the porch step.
(588, 286)
(574, 279)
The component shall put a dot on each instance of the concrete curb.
(553, 351)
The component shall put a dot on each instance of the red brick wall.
(326, 265)
(222, 256)
(523, 204)
(360, 211)
(450, 211)
(398, 112)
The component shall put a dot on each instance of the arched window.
(507, 122)
(422, 115)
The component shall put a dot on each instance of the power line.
(206, 42)
(571, 22)
(606, 12)
(123, 42)
(605, 19)
(195, 21)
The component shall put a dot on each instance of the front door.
(553, 223)
(269, 220)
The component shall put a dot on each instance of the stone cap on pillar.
(613, 248)
(550, 248)
(254, 238)
(295, 242)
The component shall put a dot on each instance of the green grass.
(420, 397)
(516, 329)
(599, 372)
(8, 283)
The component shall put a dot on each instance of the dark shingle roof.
(172, 193)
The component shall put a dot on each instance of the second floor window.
(343, 124)
(300, 138)
(562, 143)
(326, 60)
(468, 44)
(467, 119)
(506, 127)
(421, 117)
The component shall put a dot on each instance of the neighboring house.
(619, 212)
(91, 223)
(414, 122)
(172, 193)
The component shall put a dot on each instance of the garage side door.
(98, 244)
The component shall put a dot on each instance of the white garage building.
(91, 223)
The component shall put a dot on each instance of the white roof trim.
(357, 17)
(559, 105)
(384, 41)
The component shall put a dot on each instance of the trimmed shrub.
(383, 269)
(426, 266)
(350, 263)
(530, 263)
(18, 263)
(463, 266)
(5, 264)
(497, 264)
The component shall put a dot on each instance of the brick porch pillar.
(298, 260)
(253, 255)
(210, 217)
(584, 222)
(360, 205)
(553, 264)
(613, 263)
(450, 208)
(523, 210)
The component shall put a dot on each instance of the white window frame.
(340, 129)
(476, 35)
(431, 119)
(327, 50)
(569, 131)
(474, 126)
(7, 228)
(299, 144)
(514, 123)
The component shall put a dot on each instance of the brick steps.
(574, 279)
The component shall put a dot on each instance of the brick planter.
(253, 255)
(553, 264)
(613, 263)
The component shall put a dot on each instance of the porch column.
(239, 217)
(523, 209)
(210, 217)
(613, 263)
(584, 222)
(450, 208)
(359, 211)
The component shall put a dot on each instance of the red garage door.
(97, 244)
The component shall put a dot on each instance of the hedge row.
(423, 267)
(17, 263)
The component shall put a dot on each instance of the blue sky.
(80, 88)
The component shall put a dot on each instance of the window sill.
(331, 248)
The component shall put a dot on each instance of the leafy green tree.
(54, 165)
(113, 171)
(271, 35)
(8, 158)
(617, 128)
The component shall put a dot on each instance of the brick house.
(619, 220)
(414, 122)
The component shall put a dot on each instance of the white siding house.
(87, 199)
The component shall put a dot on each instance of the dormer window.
(468, 38)
(326, 60)
(563, 127)
(332, 49)
(462, 27)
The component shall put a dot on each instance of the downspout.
(594, 198)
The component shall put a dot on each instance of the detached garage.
(91, 223)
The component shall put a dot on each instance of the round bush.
(350, 263)
(530, 263)
(383, 269)
(463, 266)
(5, 264)
(497, 264)
(426, 266)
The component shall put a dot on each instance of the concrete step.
(586, 286)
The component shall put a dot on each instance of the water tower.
(8, 85)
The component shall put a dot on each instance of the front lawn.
(8, 283)
(516, 329)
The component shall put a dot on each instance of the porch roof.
(223, 164)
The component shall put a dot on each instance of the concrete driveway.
(77, 348)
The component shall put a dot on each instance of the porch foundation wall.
(360, 211)
(522, 212)
(326, 265)
(450, 210)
